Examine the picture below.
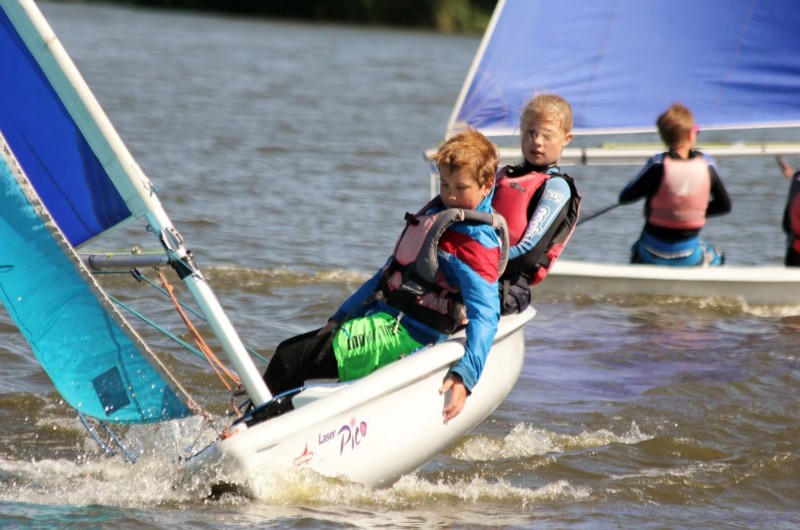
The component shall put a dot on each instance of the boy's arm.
(720, 203)
(786, 222)
(474, 268)
(786, 169)
(358, 298)
(483, 313)
(554, 199)
(648, 178)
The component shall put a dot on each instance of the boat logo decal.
(304, 458)
(325, 437)
(351, 435)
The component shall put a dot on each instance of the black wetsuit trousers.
(306, 356)
(515, 294)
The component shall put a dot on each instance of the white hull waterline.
(375, 429)
(756, 285)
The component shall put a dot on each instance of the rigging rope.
(204, 352)
(141, 277)
(109, 451)
(219, 368)
(232, 383)
(228, 378)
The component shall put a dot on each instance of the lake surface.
(287, 154)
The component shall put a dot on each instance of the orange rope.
(219, 369)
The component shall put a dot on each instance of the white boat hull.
(768, 285)
(377, 428)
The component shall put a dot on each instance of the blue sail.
(620, 63)
(94, 359)
(50, 146)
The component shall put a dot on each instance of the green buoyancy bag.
(362, 345)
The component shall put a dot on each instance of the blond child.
(539, 202)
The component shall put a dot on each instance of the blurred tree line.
(442, 15)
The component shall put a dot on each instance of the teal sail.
(66, 178)
(85, 183)
(93, 357)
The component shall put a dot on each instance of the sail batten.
(620, 63)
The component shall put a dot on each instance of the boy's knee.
(276, 374)
(516, 299)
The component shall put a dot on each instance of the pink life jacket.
(512, 196)
(512, 199)
(413, 281)
(682, 198)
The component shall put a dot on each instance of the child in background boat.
(539, 202)
(681, 188)
(791, 215)
(389, 316)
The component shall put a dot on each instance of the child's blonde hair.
(675, 124)
(469, 151)
(549, 107)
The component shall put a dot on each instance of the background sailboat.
(620, 64)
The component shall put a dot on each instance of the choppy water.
(287, 154)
